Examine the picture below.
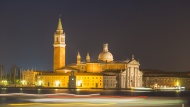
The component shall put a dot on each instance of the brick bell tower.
(59, 47)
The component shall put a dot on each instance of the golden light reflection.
(60, 104)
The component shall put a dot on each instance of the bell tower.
(59, 47)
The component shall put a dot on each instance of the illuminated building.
(162, 79)
(53, 80)
(88, 74)
(129, 75)
(29, 77)
(110, 81)
(89, 80)
(69, 80)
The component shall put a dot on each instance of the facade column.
(134, 77)
(126, 78)
(137, 77)
(129, 76)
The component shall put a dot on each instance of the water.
(166, 98)
(101, 91)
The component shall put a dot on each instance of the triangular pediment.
(134, 62)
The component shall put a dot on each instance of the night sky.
(157, 32)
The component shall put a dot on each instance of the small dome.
(105, 56)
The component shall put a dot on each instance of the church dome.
(105, 55)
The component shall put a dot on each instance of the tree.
(2, 72)
(13, 75)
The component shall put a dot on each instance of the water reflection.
(3, 90)
(101, 91)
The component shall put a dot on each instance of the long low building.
(162, 79)
(74, 79)
(107, 79)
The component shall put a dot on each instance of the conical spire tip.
(59, 26)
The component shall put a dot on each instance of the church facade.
(102, 73)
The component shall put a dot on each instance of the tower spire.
(133, 57)
(88, 57)
(78, 58)
(59, 27)
(78, 55)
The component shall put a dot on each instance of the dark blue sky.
(157, 32)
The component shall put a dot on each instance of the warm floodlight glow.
(4, 82)
(40, 82)
(79, 82)
(23, 82)
(57, 83)
(177, 83)
(155, 85)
